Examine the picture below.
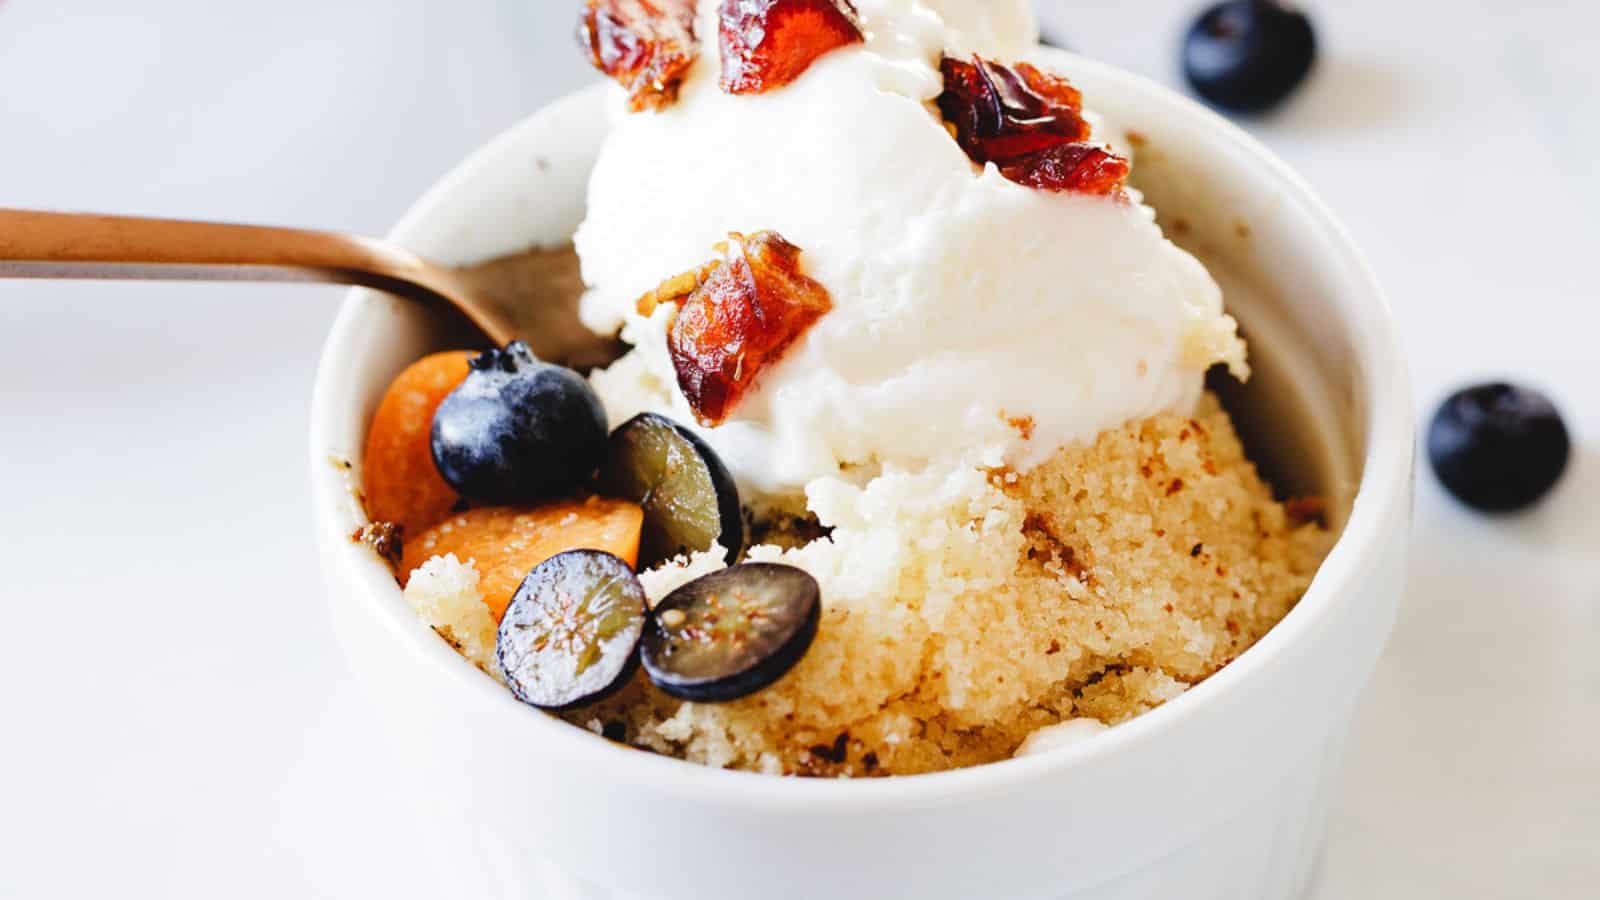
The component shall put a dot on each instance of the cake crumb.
(385, 538)
(444, 593)
(1302, 510)
(1022, 425)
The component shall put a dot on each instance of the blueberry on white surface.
(1498, 447)
(518, 430)
(1249, 55)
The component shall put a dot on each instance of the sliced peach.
(397, 473)
(505, 543)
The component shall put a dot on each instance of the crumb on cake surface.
(444, 593)
(964, 610)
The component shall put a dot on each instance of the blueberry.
(1248, 55)
(571, 634)
(518, 430)
(690, 501)
(1498, 447)
(731, 633)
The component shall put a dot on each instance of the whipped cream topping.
(975, 321)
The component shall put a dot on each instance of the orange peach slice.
(397, 472)
(505, 543)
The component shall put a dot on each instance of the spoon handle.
(35, 244)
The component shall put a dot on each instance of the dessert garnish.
(768, 43)
(504, 542)
(571, 634)
(690, 502)
(731, 633)
(737, 317)
(646, 45)
(518, 430)
(1249, 55)
(1076, 168)
(398, 477)
(1030, 124)
(1499, 447)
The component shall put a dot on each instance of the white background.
(178, 721)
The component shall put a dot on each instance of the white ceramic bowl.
(1221, 793)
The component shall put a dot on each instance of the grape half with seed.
(690, 501)
(571, 635)
(731, 633)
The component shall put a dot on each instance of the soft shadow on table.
(1344, 95)
(1569, 519)
(1564, 526)
(1471, 774)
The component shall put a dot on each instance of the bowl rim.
(1382, 497)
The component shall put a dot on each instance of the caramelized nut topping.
(1030, 124)
(1078, 168)
(768, 43)
(646, 45)
(737, 317)
(1002, 112)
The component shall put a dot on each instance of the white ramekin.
(1221, 793)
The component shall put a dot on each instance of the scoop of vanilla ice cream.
(974, 320)
(973, 26)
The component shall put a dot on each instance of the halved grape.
(571, 635)
(690, 501)
(731, 633)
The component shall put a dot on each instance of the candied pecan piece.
(1079, 168)
(768, 43)
(646, 45)
(737, 317)
(1029, 123)
(1002, 112)
(677, 289)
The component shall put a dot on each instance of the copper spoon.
(526, 296)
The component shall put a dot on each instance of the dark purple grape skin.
(690, 500)
(1497, 447)
(1247, 56)
(518, 430)
(731, 633)
(571, 634)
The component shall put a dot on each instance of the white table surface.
(178, 719)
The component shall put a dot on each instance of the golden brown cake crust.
(965, 610)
